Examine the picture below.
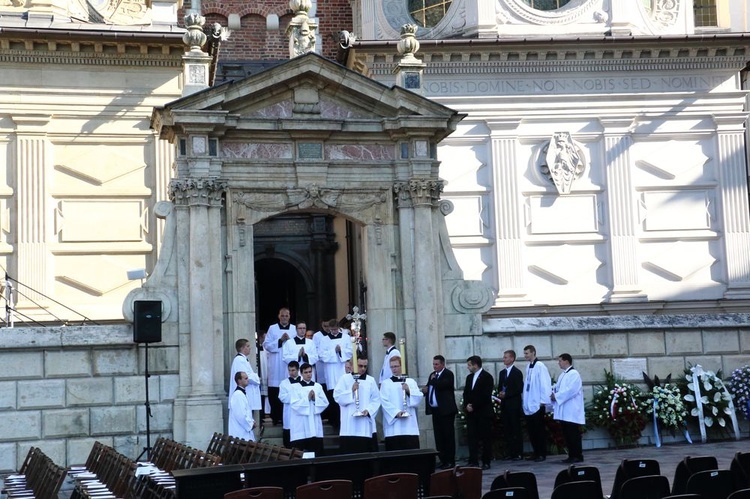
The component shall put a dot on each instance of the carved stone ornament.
(519, 9)
(664, 13)
(191, 191)
(472, 297)
(301, 29)
(408, 45)
(421, 192)
(313, 196)
(194, 37)
(562, 161)
(118, 12)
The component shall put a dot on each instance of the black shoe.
(486, 466)
(540, 459)
(448, 466)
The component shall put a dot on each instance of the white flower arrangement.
(739, 386)
(670, 409)
(713, 396)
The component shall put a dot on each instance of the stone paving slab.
(607, 460)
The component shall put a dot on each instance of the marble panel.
(244, 150)
(281, 109)
(360, 152)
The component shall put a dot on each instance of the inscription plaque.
(309, 150)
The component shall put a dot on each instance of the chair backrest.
(392, 486)
(740, 494)
(631, 468)
(683, 496)
(740, 468)
(328, 489)
(585, 489)
(514, 492)
(468, 482)
(687, 467)
(256, 492)
(645, 487)
(443, 483)
(575, 473)
(523, 479)
(711, 484)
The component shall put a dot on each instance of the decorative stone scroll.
(562, 161)
(312, 196)
(472, 297)
(193, 192)
(665, 13)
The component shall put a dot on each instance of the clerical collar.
(307, 383)
(240, 389)
(294, 380)
(284, 327)
(334, 336)
(362, 376)
(299, 341)
(390, 349)
(398, 379)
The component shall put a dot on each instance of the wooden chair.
(469, 482)
(687, 467)
(515, 492)
(443, 483)
(392, 486)
(585, 489)
(711, 484)
(645, 487)
(327, 489)
(631, 468)
(256, 492)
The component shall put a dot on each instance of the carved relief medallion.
(562, 161)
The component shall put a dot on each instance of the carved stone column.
(406, 238)
(33, 260)
(621, 210)
(200, 408)
(510, 244)
(734, 203)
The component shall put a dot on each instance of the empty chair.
(711, 484)
(468, 482)
(256, 492)
(575, 473)
(645, 487)
(523, 479)
(443, 483)
(687, 467)
(740, 494)
(740, 468)
(631, 468)
(515, 492)
(392, 486)
(585, 489)
(326, 489)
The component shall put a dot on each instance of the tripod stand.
(147, 449)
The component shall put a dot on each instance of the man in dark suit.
(477, 406)
(510, 388)
(441, 404)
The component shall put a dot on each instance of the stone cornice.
(89, 59)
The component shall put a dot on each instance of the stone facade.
(74, 385)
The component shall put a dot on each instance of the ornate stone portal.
(307, 136)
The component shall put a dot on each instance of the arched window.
(427, 13)
(546, 4)
(705, 13)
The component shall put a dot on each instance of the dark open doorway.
(279, 284)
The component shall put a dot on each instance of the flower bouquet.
(709, 400)
(619, 407)
(666, 407)
(739, 385)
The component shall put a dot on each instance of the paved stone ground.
(607, 460)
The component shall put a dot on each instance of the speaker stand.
(147, 449)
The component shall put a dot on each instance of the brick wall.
(252, 41)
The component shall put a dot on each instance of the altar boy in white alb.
(360, 401)
(300, 348)
(241, 363)
(308, 402)
(335, 350)
(241, 422)
(399, 399)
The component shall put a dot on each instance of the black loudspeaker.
(147, 321)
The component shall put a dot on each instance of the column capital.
(197, 192)
(418, 192)
(618, 125)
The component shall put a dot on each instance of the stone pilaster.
(33, 260)
(508, 215)
(200, 411)
(734, 203)
(406, 238)
(621, 210)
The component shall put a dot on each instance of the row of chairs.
(394, 485)
(637, 479)
(39, 477)
(106, 474)
(168, 455)
(233, 450)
